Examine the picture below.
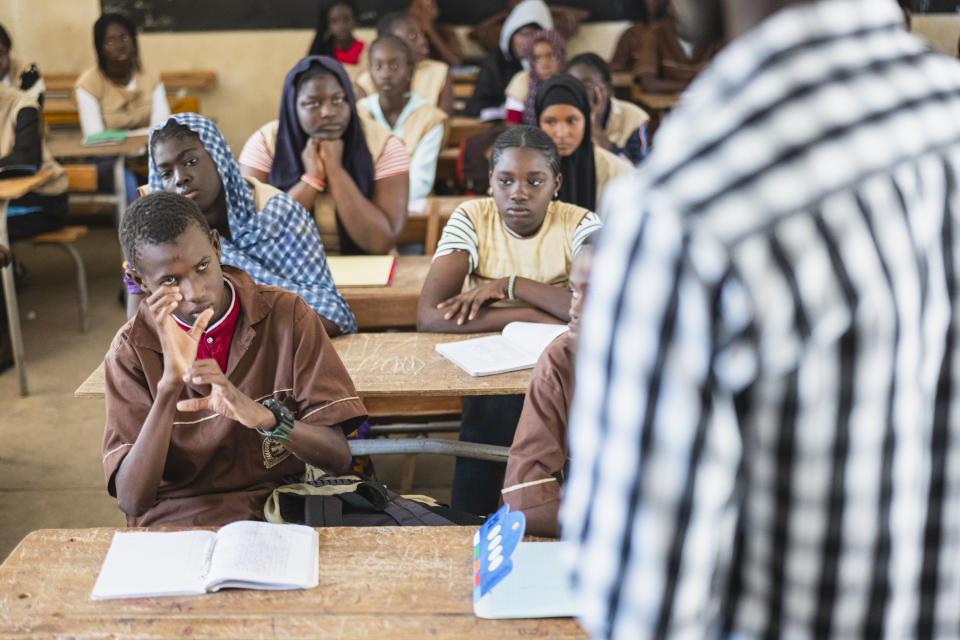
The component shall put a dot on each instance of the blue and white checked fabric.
(278, 245)
(765, 436)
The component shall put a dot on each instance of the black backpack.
(351, 501)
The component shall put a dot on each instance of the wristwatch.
(284, 420)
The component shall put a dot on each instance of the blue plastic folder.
(515, 579)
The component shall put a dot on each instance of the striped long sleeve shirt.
(765, 436)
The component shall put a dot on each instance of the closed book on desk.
(362, 271)
(107, 136)
(516, 579)
(517, 347)
(244, 555)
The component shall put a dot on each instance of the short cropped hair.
(158, 218)
(385, 24)
(395, 41)
(526, 137)
(593, 61)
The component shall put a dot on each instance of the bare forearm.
(368, 225)
(319, 446)
(651, 83)
(304, 194)
(553, 300)
(430, 318)
(139, 475)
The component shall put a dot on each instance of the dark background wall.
(205, 15)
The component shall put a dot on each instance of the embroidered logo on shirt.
(273, 453)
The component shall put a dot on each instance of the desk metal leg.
(120, 187)
(13, 309)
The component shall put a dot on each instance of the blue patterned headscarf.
(278, 245)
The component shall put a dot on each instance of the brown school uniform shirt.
(539, 450)
(218, 471)
(660, 52)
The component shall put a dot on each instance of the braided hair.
(526, 137)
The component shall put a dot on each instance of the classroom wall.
(250, 65)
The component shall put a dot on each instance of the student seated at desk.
(17, 73)
(514, 252)
(420, 125)
(563, 111)
(538, 456)
(118, 93)
(262, 230)
(21, 145)
(431, 78)
(501, 65)
(546, 55)
(618, 126)
(320, 152)
(334, 37)
(220, 389)
(661, 58)
(442, 39)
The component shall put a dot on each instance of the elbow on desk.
(133, 507)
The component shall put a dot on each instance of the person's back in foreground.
(764, 435)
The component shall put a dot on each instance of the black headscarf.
(291, 138)
(579, 185)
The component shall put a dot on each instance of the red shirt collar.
(215, 342)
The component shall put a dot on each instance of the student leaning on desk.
(220, 389)
(514, 250)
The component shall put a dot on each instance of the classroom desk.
(447, 163)
(375, 582)
(655, 101)
(71, 146)
(11, 189)
(394, 366)
(461, 127)
(394, 306)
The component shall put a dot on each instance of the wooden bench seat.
(174, 81)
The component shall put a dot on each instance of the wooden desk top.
(392, 307)
(394, 365)
(13, 188)
(375, 582)
(656, 101)
(71, 146)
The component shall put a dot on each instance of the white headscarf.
(527, 12)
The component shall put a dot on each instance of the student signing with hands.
(514, 249)
(220, 389)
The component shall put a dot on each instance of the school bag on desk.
(351, 501)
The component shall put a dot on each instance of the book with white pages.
(243, 555)
(516, 347)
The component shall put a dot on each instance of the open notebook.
(515, 579)
(245, 555)
(362, 271)
(517, 347)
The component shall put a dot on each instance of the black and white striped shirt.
(766, 429)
